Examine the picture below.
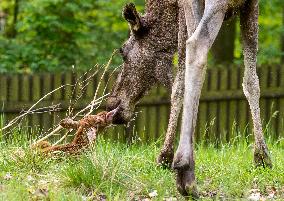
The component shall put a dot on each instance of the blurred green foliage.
(271, 28)
(54, 35)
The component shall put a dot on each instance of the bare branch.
(13, 121)
(95, 103)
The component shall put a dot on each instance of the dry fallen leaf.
(153, 194)
(141, 198)
(41, 192)
(42, 182)
(84, 198)
(8, 176)
(102, 197)
(254, 197)
(170, 199)
(1, 188)
(271, 196)
(271, 190)
(146, 199)
(19, 153)
(30, 178)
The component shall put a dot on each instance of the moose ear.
(110, 114)
(131, 15)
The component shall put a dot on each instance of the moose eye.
(121, 52)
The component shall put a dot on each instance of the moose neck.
(163, 18)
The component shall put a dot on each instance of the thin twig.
(90, 105)
(98, 101)
(62, 138)
(58, 128)
(104, 90)
(79, 83)
(106, 67)
(95, 102)
(13, 121)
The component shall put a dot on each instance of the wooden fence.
(223, 111)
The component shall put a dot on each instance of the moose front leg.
(166, 155)
(197, 47)
(249, 31)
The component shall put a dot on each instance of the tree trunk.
(12, 31)
(224, 45)
(2, 21)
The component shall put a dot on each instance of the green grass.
(120, 172)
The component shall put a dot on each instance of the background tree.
(224, 45)
(282, 36)
(54, 35)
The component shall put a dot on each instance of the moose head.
(147, 55)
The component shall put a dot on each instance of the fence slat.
(102, 81)
(274, 102)
(243, 118)
(232, 108)
(281, 104)
(203, 116)
(110, 82)
(207, 89)
(213, 110)
(68, 89)
(90, 86)
(203, 122)
(141, 123)
(36, 88)
(25, 88)
(79, 89)
(57, 83)
(222, 123)
(3, 89)
(152, 119)
(46, 85)
(264, 108)
(163, 121)
(13, 88)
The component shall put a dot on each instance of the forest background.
(56, 35)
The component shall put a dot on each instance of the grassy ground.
(112, 171)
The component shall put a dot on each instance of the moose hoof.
(181, 161)
(186, 184)
(165, 158)
(262, 157)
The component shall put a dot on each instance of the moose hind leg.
(197, 48)
(249, 31)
